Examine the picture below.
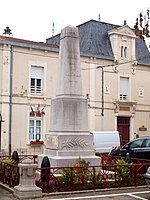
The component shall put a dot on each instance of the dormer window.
(123, 52)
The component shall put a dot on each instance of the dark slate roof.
(142, 53)
(94, 42)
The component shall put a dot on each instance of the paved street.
(142, 193)
(107, 194)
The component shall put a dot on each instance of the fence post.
(27, 187)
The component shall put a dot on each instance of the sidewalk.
(6, 193)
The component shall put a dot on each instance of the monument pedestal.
(64, 149)
(69, 137)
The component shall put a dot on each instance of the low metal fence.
(91, 177)
(21, 157)
(9, 170)
(9, 173)
(107, 175)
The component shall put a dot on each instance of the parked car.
(137, 148)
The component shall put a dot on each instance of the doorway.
(123, 126)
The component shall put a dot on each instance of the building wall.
(22, 100)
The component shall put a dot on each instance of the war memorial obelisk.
(69, 135)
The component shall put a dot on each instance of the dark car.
(137, 148)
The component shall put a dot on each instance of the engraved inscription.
(74, 142)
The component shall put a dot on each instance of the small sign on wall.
(142, 128)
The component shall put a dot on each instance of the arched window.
(123, 52)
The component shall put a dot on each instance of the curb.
(66, 193)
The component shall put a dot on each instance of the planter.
(36, 143)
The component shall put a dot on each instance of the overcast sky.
(33, 19)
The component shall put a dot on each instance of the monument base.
(26, 192)
(64, 149)
(69, 161)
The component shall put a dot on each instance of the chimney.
(125, 23)
(7, 31)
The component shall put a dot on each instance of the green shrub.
(66, 176)
(9, 166)
(79, 174)
(123, 170)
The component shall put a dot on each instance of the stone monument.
(69, 137)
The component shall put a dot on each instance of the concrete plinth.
(26, 192)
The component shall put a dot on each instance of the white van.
(104, 141)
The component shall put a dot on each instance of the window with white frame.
(123, 52)
(124, 87)
(36, 84)
(35, 127)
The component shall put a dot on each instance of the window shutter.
(37, 72)
(124, 84)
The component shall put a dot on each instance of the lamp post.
(1, 120)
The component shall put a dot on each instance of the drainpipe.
(102, 68)
(102, 113)
(10, 99)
